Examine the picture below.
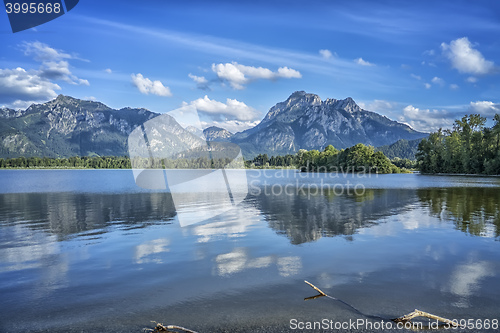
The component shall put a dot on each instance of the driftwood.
(403, 319)
(418, 313)
(168, 328)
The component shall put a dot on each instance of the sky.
(424, 63)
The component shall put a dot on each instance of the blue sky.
(424, 63)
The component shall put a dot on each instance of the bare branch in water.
(404, 319)
(168, 328)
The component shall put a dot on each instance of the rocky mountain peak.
(301, 97)
(10, 113)
(349, 105)
(303, 120)
(215, 133)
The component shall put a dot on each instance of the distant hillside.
(304, 121)
(217, 134)
(401, 148)
(66, 127)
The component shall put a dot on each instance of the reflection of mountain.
(473, 210)
(66, 213)
(304, 218)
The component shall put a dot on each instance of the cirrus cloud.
(238, 75)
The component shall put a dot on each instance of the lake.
(90, 251)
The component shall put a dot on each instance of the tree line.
(355, 159)
(468, 148)
(85, 162)
(358, 158)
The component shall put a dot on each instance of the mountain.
(66, 127)
(305, 121)
(10, 113)
(401, 148)
(195, 131)
(215, 133)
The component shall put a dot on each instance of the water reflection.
(466, 279)
(232, 224)
(65, 214)
(240, 260)
(145, 253)
(475, 211)
(306, 218)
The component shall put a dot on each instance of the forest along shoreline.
(359, 158)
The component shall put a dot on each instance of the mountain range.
(67, 126)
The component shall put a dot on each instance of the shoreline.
(458, 174)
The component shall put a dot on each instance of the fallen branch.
(404, 319)
(168, 328)
(418, 313)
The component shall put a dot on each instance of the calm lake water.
(90, 251)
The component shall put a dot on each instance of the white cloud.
(146, 86)
(83, 82)
(427, 85)
(437, 80)
(233, 126)
(377, 105)
(465, 58)
(198, 79)
(485, 108)
(454, 86)
(471, 79)
(201, 81)
(232, 109)
(54, 66)
(429, 52)
(423, 120)
(19, 86)
(362, 62)
(326, 54)
(238, 75)
(426, 120)
(417, 77)
(288, 73)
(108, 70)
(21, 105)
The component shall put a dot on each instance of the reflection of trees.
(472, 209)
(305, 218)
(64, 214)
